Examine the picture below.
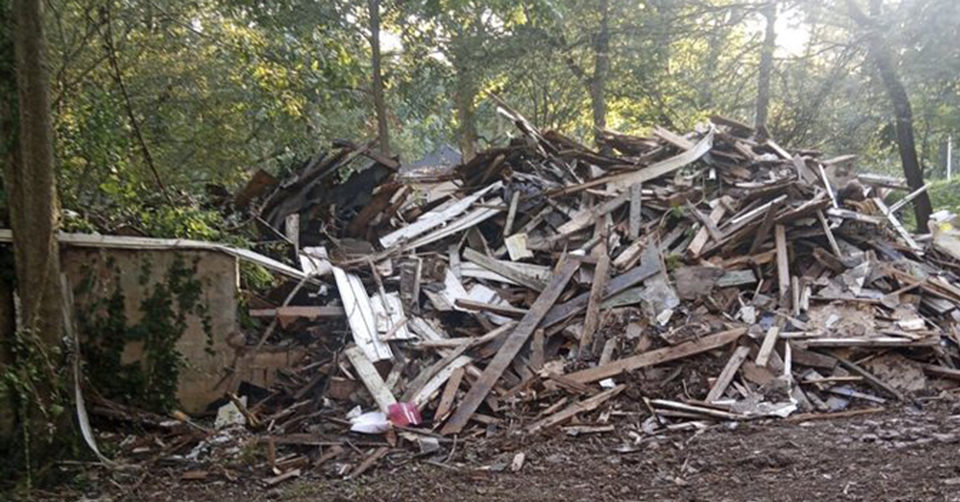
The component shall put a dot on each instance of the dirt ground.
(908, 454)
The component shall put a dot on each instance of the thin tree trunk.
(9, 154)
(601, 69)
(379, 103)
(128, 105)
(880, 53)
(465, 92)
(766, 64)
(30, 185)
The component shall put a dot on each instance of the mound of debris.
(543, 286)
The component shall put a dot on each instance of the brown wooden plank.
(616, 286)
(635, 206)
(512, 273)
(514, 342)
(706, 231)
(449, 393)
(766, 349)
(655, 357)
(309, 312)
(567, 413)
(729, 371)
(764, 231)
(592, 320)
(504, 310)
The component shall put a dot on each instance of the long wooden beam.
(511, 346)
(655, 357)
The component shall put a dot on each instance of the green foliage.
(34, 384)
(223, 87)
(152, 382)
(945, 195)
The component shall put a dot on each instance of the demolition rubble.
(543, 287)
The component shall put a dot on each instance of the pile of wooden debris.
(678, 279)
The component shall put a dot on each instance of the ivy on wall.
(151, 382)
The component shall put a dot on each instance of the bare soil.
(908, 454)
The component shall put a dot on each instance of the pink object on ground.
(403, 414)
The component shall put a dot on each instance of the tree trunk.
(879, 52)
(465, 92)
(8, 157)
(601, 69)
(379, 104)
(30, 186)
(766, 64)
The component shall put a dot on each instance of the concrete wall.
(198, 384)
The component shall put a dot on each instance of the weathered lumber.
(589, 404)
(783, 262)
(504, 269)
(729, 371)
(615, 286)
(429, 221)
(478, 392)
(370, 378)
(656, 357)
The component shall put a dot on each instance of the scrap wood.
(696, 410)
(766, 348)
(656, 357)
(306, 312)
(728, 373)
(615, 286)
(433, 219)
(511, 346)
(942, 371)
(369, 462)
(588, 404)
(880, 384)
(363, 324)
(370, 378)
(592, 320)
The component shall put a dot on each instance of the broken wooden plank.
(588, 216)
(467, 221)
(615, 286)
(567, 413)
(306, 312)
(370, 377)
(729, 371)
(478, 392)
(898, 226)
(659, 356)
(636, 192)
(592, 320)
(942, 371)
(433, 219)
(369, 462)
(511, 213)
(505, 269)
(783, 262)
(829, 233)
(504, 310)
(766, 348)
(625, 180)
(765, 226)
(448, 395)
(699, 410)
(707, 230)
(880, 384)
(363, 324)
